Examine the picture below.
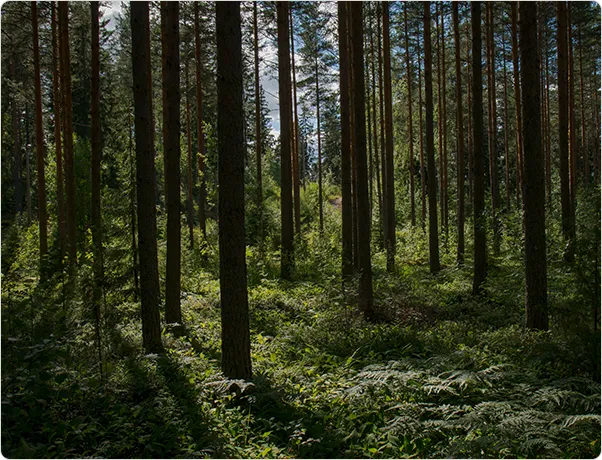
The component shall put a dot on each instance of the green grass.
(441, 374)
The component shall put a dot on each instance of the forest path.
(337, 203)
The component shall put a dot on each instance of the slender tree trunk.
(492, 118)
(347, 253)
(563, 128)
(597, 159)
(469, 118)
(460, 135)
(236, 342)
(320, 207)
(506, 123)
(365, 268)
(444, 170)
(189, 167)
(410, 127)
(439, 114)
(353, 152)
(517, 98)
(200, 129)
(390, 196)
(430, 144)
(295, 134)
(377, 155)
(56, 102)
(548, 133)
(381, 98)
(572, 130)
(135, 266)
(534, 173)
(480, 242)
(68, 132)
(258, 137)
(420, 121)
(96, 151)
(40, 149)
(170, 40)
(27, 167)
(145, 183)
(584, 152)
(16, 139)
(370, 122)
(284, 87)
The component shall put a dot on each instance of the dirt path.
(337, 203)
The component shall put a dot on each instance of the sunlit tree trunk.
(421, 137)
(459, 134)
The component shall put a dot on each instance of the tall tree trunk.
(96, 151)
(517, 98)
(563, 128)
(390, 196)
(548, 133)
(320, 207)
(492, 135)
(506, 123)
(16, 139)
(199, 121)
(359, 109)
(435, 265)
(58, 147)
(377, 155)
(381, 99)
(597, 159)
(68, 132)
(347, 210)
(445, 202)
(145, 182)
(469, 142)
(170, 40)
(584, 152)
(236, 342)
(27, 167)
(439, 114)
(40, 149)
(420, 120)
(534, 173)
(295, 134)
(134, 231)
(572, 130)
(189, 167)
(480, 231)
(460, 134)
(284, 91)
(410, 127)
(258, 138)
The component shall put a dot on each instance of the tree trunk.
(170, 41)
(40, 149)
(410, 127)
(534, 173)
(56, 102)
(347, 210)
(27, 167)
(548, 133)
(363, 208)
(377, 155)
(445, 202)
(284, 91)
(199, 121)
(68, 132)
(492, 125)
(134, 231)
(258, 140)
(236, 342)
(506, 124)
(439, 114)
(295, 135)
(189, 203)
(517, 98)
(469, 142)
(16, 139)
(584, 152)
(422, 170)
(563, 128)
(145, 182)
(390, 196)
(381, 99)
(480, 231)
(320, 207)
(430, 144)
(597, 159)
(96, 151)
(460, 135)
(572, 130)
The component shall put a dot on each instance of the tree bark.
(390, 196)
(410, 121)
(469, 142)
(284, 91)
(295, 135)
(506, 123)
(480, 242)
(460, 135)
(199, 121)
(347, 210)
(444, 171)
(572, 130)
(258, 140)
(16, 139)
(40, 148)
(435, 265)
(363, 208)
(189, 203)
(68, 132)
(563, 128)
(517, 98)
(320, 207)
(381, 99)
(145, 182)
(534, 173)
(236, 342)
(56, 102)
(421, 137)
(584, 151)
(377, 156)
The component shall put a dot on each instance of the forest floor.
(441, 374)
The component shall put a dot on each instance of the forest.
(300, 229)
